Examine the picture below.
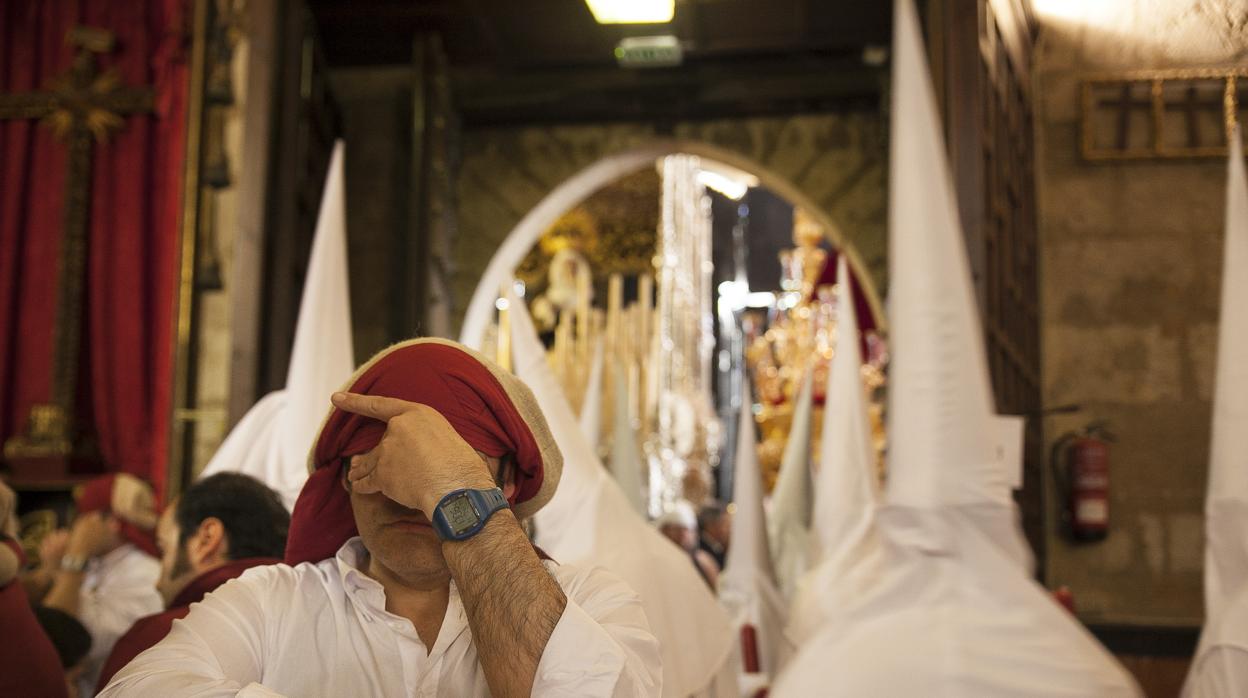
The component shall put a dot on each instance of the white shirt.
(323, 630)
(117, 589)
(1220, 669)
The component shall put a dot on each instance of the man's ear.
(209, 544)
(346, 470)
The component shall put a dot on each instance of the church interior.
(214, 208)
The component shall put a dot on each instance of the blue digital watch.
(461, 514)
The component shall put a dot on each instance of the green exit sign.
(649, 52)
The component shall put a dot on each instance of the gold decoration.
(801, 336)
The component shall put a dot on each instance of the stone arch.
(833, 164)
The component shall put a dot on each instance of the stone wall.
(1130, 272)
(838, 160)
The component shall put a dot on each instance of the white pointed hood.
(844, 537)
(321, 358)
(940, 403)
(625, 452)
(589, 521)
(590, 418)
(1226, 504)
(846, 490)
(789, 523)
(947, 613)
(747, 586)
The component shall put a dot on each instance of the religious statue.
(798, 335)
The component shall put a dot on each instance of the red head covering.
(127, 498)
(453, 381)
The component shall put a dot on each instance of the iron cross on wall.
(81, 107)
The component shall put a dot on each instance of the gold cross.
(81, 107)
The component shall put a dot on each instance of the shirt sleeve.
(1221, 673)
(602, 645)
(217, 650)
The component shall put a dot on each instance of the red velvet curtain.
(133, 231)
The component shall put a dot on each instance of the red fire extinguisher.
(1081, 470)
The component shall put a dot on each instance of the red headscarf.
(441, 375)
(98, 495)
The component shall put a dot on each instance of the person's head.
(71, 640)
(126, 503)
(680, 525)
(224, 517)
(715, 521)
(489, 408)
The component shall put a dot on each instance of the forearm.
(512, 602)
(65, 592)
(37, 584)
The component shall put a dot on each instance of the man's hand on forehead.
(420, 457)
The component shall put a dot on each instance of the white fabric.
(1223, 649)
(1220, 668)
(323, 630)
(747, 586)
(948, 607)
(590, 418)
(117, 589)
(968, 623)
(846, 489)
(935, 337)
(625, 452)
(590, 521)
(789, 523)
(277, 433)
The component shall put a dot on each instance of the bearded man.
(219, 528)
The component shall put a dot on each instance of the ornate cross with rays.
(81, 107)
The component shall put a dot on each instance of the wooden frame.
(1156, 80)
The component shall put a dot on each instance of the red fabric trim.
(97, 495)
(29, 665)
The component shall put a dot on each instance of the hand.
(52, 549)
(92, 535)
(8, 510)
(420, 458)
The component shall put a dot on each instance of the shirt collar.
(205, 583)
(369, 597)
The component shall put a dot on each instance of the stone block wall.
(1131, 258)
(838, 160)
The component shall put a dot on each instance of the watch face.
(460, 514)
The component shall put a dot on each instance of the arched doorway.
(707, 407)
(610, 168)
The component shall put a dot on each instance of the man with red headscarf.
(103, 571)
(408, 571)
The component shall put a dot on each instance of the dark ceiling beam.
(691, 92)
(378, 12)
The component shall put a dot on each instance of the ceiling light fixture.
(632, 11)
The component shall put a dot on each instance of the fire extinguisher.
(1080, 463)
